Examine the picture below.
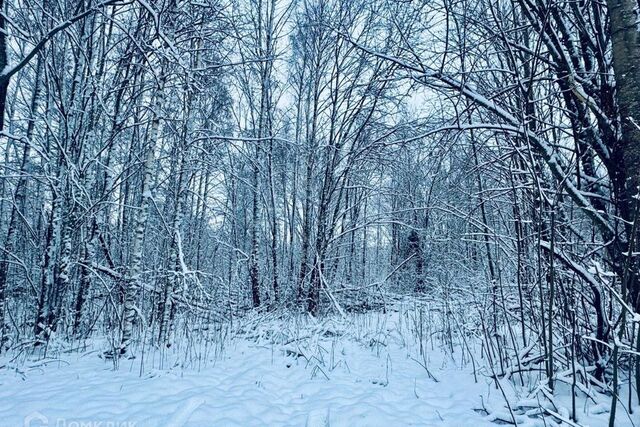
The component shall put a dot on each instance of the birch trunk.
(140, 221)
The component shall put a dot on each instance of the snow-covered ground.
(295, 372)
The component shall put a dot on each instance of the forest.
(444, 192)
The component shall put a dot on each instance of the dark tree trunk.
(625, 39)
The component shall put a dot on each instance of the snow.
(364, 371)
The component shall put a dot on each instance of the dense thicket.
(167, 163)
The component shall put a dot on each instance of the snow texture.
(357, 372)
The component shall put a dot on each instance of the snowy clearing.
(362, 371)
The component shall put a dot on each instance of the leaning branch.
(513, 124)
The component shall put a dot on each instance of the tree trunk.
(625, 38)
(17, 208)
(135, 266)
